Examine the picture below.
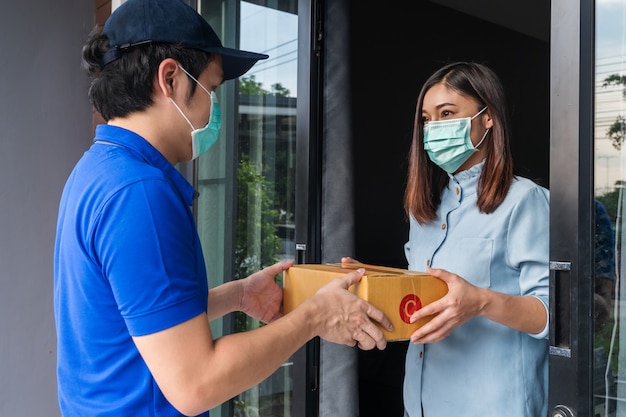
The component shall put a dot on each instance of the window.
(245, 210)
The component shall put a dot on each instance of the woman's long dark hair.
(425, 180)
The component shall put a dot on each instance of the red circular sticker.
(409, 305)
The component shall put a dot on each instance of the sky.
(610, 101)
(259, 34)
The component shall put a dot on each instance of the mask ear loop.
(198, 82)
(486, 131)
(481, 141)
(181, 112)
(478, 114)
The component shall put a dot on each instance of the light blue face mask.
(202, 139)
(448, 142)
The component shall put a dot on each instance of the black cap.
(170, 21)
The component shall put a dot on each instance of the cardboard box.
(397, 292)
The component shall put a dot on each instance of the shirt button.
(458, 191)
(421, 354)
(428, 262)
(443, 226)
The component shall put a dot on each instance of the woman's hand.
(347, 260)
(462, 302)
(261, 296)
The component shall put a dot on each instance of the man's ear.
(166, 77)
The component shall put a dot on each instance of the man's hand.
(348, 319)
(262, 296)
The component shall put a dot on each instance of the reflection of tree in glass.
(249, 85)
(617, 131)
(283, 136)
(605, 220)
(256, 240)
(256, 243)
(604, 267)
(610, 200)
(261, 204)
(256, 246)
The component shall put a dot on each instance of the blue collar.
(118, 136)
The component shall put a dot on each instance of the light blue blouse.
(483, 368)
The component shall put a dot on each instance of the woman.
(484, 231)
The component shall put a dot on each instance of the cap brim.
(235, 63)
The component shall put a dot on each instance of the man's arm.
(197, 373)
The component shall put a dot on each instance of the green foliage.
(280, 91)
(617, 131)
(603, 338)
(615, 79)
(610, 200)
(256, 244)
(249, 86)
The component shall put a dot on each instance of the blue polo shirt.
(127, 262)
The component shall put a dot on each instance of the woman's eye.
(425, 119)
(446, 113)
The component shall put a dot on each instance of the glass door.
(609, 316)
(246, 207)
(264, 224)
(588, 170)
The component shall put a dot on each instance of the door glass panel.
(245, 211)
(609, 367)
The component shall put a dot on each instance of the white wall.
(45, 125)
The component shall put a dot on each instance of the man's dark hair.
(126, 85)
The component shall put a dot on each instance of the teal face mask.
(202, 139)
(448, 142)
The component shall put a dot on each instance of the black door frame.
(571, 204)
(305, 401)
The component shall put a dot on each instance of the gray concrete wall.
(45, 125)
